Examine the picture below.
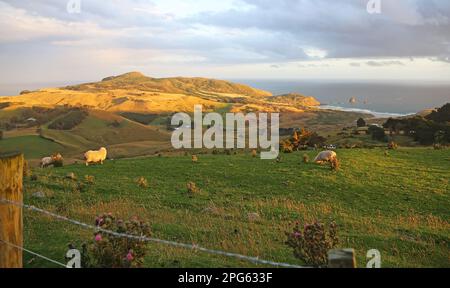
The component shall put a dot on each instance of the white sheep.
(95, 156)
(48, 161)
(325, 156)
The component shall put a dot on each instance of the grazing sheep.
(95, 156)
(325, 156)
(48, 161)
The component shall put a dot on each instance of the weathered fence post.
(341, 258)
(11, 224)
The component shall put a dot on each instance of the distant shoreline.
(365, 111)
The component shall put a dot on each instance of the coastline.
(375, 114)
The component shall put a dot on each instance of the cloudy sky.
(49, 41)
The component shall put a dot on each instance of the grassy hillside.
(177, 85)
(399, 204)
(102, 128)
(32, 146)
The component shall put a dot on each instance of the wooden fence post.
(11, 223)
(341, 258)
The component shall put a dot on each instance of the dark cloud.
(119, 34)
(406, 28)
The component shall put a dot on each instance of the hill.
(375, 201)
(134, 92)
(295, 99)
(176, 85)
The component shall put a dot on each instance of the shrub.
(111, 251)
(89, 179)
(392, 145)
(305, 158)
(145, 119)
(57, 160)
(192, 188)
(254, 153)
(142, 182)
(4, 105)
(287, 146)
(115, 124)
(312, 242)
(377, 133)
(69, 121)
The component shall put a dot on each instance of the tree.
(361, 122)
(1, 134)
(377, 133)
(441, 115)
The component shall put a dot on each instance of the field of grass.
(398, 204)
(32, 146)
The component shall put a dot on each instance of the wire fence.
(194, 247)
(33, 253)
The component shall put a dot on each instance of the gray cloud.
(407, 28)
(123, 34)
(384, 63)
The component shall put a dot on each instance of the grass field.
(32, 145)
(398, 204)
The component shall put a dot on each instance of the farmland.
(397, 203)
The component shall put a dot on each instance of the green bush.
(69, 121)
(109, 251)
(377, 133)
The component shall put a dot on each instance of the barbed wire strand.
(195, 247)
(34, 253)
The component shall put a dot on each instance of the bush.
(305, 158)
(287, 146)
(192, 188)
(115, 124)
(392, 145)
(377, 133)
(110, 251)
(69, 121)
(88, 179)
(57, 160)
(142, 182)
(312, 242)
(145, 119)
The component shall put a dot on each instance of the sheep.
(95, 156)
(45, 162)
(52, 160)
(325, 156)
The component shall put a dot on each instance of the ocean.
(382, 99)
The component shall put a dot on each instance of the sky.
(47, 41)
